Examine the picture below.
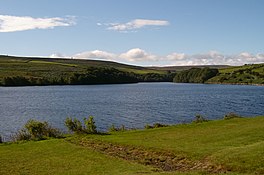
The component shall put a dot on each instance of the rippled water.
(133, 105)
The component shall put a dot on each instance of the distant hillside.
(247, 74)
(78, 64)
(181, 68)
(20, 71)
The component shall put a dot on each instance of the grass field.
(233, 146)
(60, 157)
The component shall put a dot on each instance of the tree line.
(102, 75)
(195, 75)
(92, 75)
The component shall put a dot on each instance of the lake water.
(132, 105)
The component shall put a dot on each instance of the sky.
(136, 32)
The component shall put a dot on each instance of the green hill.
(182, 68)
(247, 74)
(48, 71)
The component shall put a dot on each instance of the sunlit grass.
(60, 157)
(55, 63)
(236, 144)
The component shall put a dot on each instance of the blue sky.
(139, 32)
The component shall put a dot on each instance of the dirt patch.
(160, 160)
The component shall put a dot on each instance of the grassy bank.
(225, 146)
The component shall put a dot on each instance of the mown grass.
(236, 145)
(57, 156)
(194, 139)
(60, 157)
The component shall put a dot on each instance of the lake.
(133, 105)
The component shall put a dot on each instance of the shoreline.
(253, 84)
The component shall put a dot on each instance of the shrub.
(115, 129)
(231, 115)
(112, 128)
(21, 135)
(155, 125)
(159, 125)
(36, 130)
(147, 126)
(53, 132)
(73, 125)
(122, 128)
(199, 119)
(90, 125)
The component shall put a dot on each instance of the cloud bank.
(134, 24)
(96, 54)
(139, 56)
(21, 23)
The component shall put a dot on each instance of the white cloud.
(216, 58)
(139, 56)
(260, 57)
(21, 23)
(175, 56)
(250, 58)
(57, 55)
(96, 54)
(133, 55)
(136, 24)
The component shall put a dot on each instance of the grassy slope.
(23, 65)
(240, 75)
(45, 67)
(235, 144)
(181, 68)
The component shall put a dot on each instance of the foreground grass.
(196, 140)
(236, 146)
(60, 157)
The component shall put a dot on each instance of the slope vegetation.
(21, 71)
(247, 74)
